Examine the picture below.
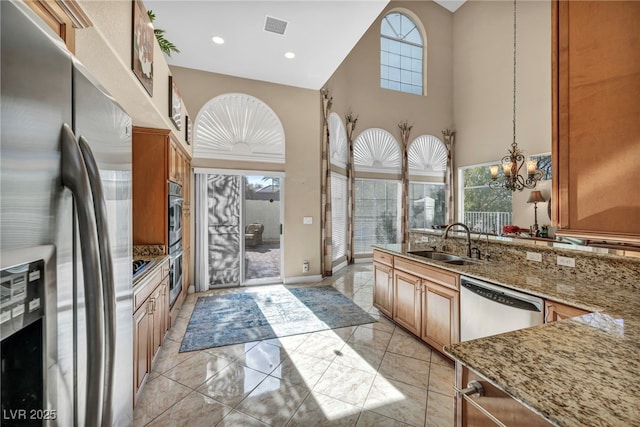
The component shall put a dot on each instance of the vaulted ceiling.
(320, 33)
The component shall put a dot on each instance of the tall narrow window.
(339, 215)
(401, 54)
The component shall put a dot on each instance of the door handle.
(106, 267)
(74, 176)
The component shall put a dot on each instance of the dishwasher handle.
(502, 297)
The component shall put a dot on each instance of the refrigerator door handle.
(74, 177)
(106, 267)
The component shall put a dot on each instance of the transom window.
(401, 54)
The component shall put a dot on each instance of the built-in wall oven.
(175, 241)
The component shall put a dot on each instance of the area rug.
(243, 316)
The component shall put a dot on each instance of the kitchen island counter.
(574, 372)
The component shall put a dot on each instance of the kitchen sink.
(461, 261)
(436, 256)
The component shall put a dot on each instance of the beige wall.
(355, 86)
(105, 49)
(483, 79)
(299, 111)
(483, 87)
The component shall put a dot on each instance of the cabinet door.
(383, 288)
(141, 349)
(493, 408)
(595, 118)
(173, 162)
(157, 321)
(440, 315)
(556, 311)
(407, 301)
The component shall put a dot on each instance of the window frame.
(417, 23)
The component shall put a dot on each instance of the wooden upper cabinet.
(596, 118)
(63, 17)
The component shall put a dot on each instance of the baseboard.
(302, 279)
(339, 267)
(362, 260)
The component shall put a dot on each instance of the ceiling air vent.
(275, 25)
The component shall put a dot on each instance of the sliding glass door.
(243, 229)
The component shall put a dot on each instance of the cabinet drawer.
(146, 287)
(431, 273)
(383, 258)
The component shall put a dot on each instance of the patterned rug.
(241, 316)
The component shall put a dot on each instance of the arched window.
(401, 54)
(427, 166)
(237, 126)
(377, 161)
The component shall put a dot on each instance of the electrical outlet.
(566, 261)
(424, 238)
(534, 256)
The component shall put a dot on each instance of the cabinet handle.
(474, 388)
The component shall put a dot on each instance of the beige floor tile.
(370, 338)
(371, 419)
(409, 345)
(290, 343)
(300, 368)
(438, 358)
(170, 356)
(156, 397)
(238, 419)
(178, 329)
(232, 384)
(442, 379)
(405, 369)
(195, 410)
(346, 384)
(321, 346)
(340, 333)
(232, 352)
(319, 410)
(360, 357)
(263, 357)
(274, 401)
(381, 369)
(197, 369)
(440, 410)
(383, 324)
(397, 400)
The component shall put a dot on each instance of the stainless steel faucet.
(446, 232)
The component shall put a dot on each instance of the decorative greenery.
(165, 45)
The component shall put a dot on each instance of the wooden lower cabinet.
(554, 311)
(493, 408)
(407, 301)
(440, 315)
(150, 322)
(383, 288)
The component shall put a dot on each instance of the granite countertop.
(148, 253)
(574, 372)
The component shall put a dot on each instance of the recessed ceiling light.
(217, 39)
(289, 55)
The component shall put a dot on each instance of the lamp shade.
(536, 197)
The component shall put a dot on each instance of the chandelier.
(512, 164)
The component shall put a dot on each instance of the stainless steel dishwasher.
(487, 309)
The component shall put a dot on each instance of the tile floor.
(368, 375)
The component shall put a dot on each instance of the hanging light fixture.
(514, 161)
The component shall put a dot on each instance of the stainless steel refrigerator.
(65, 200)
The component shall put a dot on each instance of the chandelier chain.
(514, 74)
